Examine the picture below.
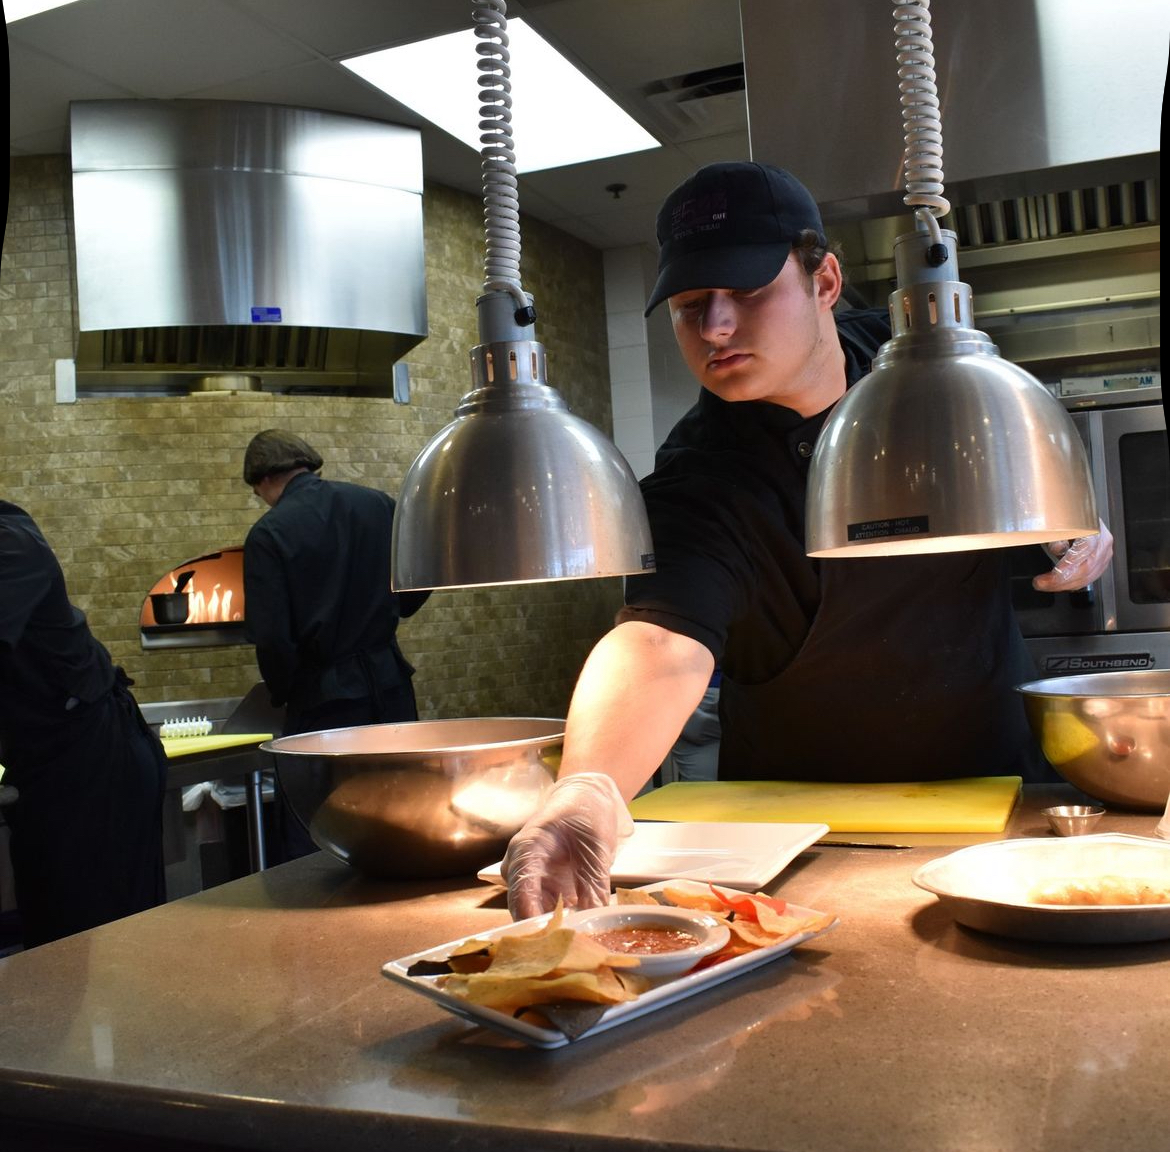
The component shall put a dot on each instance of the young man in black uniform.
(861, 669)
(86, 827)
(318, 603)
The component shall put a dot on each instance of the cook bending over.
(874, 669)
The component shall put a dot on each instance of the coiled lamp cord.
(501, 205)
(920, 116)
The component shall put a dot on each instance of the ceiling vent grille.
(712, 100)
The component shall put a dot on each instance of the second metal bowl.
(1108, 733)
(422, 799)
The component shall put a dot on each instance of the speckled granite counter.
(254, 1016)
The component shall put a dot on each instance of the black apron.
(86, 828)
(891, 686)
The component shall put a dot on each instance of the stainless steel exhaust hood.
(1052, 116)
(240, 245)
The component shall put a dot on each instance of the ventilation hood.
(1051, 114)
(226, 245)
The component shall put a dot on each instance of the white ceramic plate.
(743, 856)
(991, 887)
(667, 991)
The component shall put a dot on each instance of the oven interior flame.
(215, 592)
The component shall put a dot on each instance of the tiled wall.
(651, 383)
(125, 488)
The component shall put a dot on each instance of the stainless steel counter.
(254, 1016)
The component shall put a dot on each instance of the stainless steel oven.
(1123, 620)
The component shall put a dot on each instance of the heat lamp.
(944, 446)
(516, 488)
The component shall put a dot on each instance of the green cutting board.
(975, 804)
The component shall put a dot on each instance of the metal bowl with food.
(422, 799)
(1108, 733)
(1103, 889)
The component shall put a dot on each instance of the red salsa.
(651, 940)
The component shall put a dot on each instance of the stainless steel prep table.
(254, 1016)
(192, 760)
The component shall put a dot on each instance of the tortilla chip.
(429, 968)
(572, 1018)
(508, 994)
(733, 948)
(635, 896)
(699, 898)
(563, 950)
(468, 947)
(777, 929)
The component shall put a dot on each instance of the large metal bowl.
(1107, 733)
(422, 799)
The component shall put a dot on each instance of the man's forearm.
(637, 689)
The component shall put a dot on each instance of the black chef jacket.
(884, 668)
(86, 828)
(319, 608)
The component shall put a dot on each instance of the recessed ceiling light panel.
(18, 9)
(560, 116)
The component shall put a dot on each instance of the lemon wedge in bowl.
(1064, 737)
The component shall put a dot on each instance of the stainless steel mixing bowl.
(1107, 733)
(422, 799)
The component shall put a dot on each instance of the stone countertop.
(255, 1016)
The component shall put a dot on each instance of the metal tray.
(986, 887)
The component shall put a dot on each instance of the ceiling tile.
(158, 50)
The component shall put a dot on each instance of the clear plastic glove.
(1163, 828)
(1078, 562)
(567, 848)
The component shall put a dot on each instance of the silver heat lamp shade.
(516, 488)
(944, 446)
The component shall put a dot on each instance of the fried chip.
(733, 948)
(429, 968)
(777, 930)
(507, 994)
(699, 898)
(538, 954)
(635, 896)
(572, 1018)
(749, 905)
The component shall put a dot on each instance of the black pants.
(301, 791)
(86, 828)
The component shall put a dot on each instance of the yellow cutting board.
(976, 804)
(176, 746)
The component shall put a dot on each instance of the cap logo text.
(699, 214)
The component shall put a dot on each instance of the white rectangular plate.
(667, 992)
(743, 856)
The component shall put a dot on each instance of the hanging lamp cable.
(501, 205)
(920, 116)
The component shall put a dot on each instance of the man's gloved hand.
(1079, 561)
(566, 849)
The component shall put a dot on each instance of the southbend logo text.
(1117, 663)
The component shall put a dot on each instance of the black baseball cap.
(730, 225)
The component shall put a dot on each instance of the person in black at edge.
(318, 603)
(86, 827)
(875, 669)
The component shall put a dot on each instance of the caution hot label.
(890, 529)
